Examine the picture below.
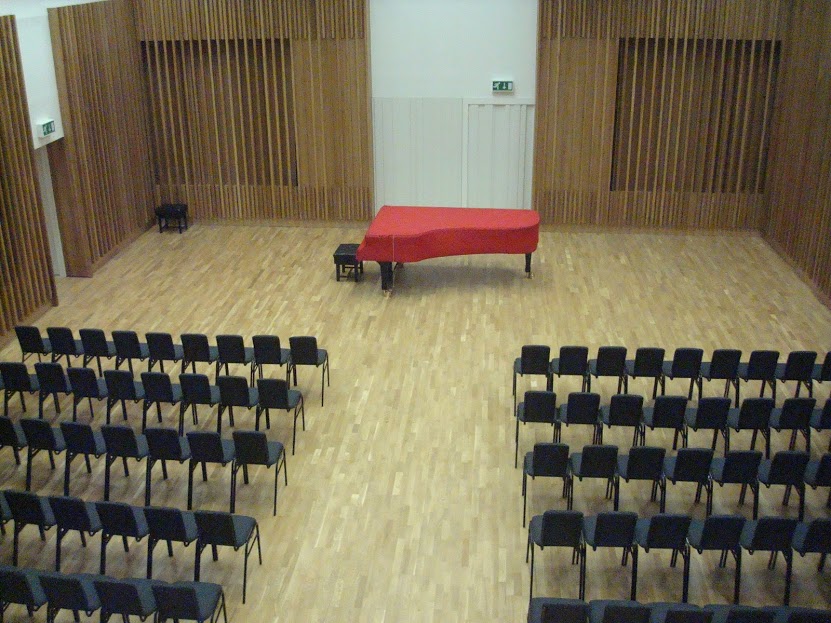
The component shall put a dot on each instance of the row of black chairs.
(116, 519)
(82, 592)
(559, 610)
(759, 415)
(686, 363)
(159, 347)
(728, 534)
(155, 445)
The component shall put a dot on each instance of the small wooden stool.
(345, 262)
(172, 211)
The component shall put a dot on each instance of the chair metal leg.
(634, 594)
(737, 589)
(685, 590)
(516, 443)
(524, 498)
(276, 474)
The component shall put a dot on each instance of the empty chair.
(667, 531)
(754, 414)
(304, 352)
(253, 448)
(721, 533)
(774, 535)
(537, 407)
(275, 394)
(710, 414)
(161, 348)
(73, 514)
(81, 440)
(74, 591)
(648, 363)
(618, 611)
(96, 345)
(643, 463)
(163, 444)
(556, 609)
(16, 380)
(558, 529)
(611, 361)
(685, 364)
(668, 413)
(196, 349)
(157, 390)
(760, 367)
(798, 367)
(128, 347)
(738, 467)
(41, 436)
(120, 519)
(596, 461)
(228, 530)
(795, 416)
(788, 614)
(125, 598)
(548, 460)
(28, 509)
(120, 388)
(198, 601)
(232, 349)
(818, 474)
(170, 525)
(533, 360)
(786, 468)
(580, 408)
(822, 372)
(813, 537)
(614, 529)
(31, 342)
(234, 392)
(267, 351)
(85, 385)
(690, 465)
(723, 366)
(51, 381)
(209, 447)
(122, 442)
(622, 410)
(196, 390)
(821, 419)
(663, 612)
(573, 361)
(12, 436)
(21, 586)
(64, 344)
(732, 613)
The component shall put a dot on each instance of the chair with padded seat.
(720, 533)
(267, 351)
(761, 366)
(786, 468)
(685, 364)
(732, 613)
(73, 514)
(723, 366)
(163, 444)
(209, 447)
(121, 442)
(40, 436)
(572, 361)
(690, 465)
(32, 342)
(125, 598)
(28, 509)
(232, 350)
(643, 463)
(788, 614)
(813, 537)
(822, 372)
(648, 363)
(120, 519)
(668, 612)
(555, 528)
(581, 408)
(235, 392)
(596, 461)
(754, 414)
(16, 379)
(798, 367)
(21, 586)
(254, 448)
(85, 385)
(196, 390)
(275, 394)
(534, 360)
(610, 361)
(96, 345)
(128, 347)
(667, 531)
(218, 529)
(158, 390)
(737, 467)
(821, 419)
(69, 591)
(304, 351)
(81, 440)
(64, 344)
(197, 601)
(161, 348)
(120, 388)
(710, 414)
(622, 410)
(667, 412)
(557, 610)
(547, 460)
(795, 416)
(773, 535)
(618, 611)
(818, 474)
(170, 525)
(614, 529)
(12, 436)
(538, 407)
(197, 350)
(52, 380)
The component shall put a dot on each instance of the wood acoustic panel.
(104, 189)
(655, 114)
(27, 283)
(261, 110)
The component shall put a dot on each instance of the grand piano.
(403, 234)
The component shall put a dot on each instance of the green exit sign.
(47, 127)
(502, 86)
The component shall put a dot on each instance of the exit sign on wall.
(502, 86)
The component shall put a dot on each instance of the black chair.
(537, 407)
(690, 465)
(648, 363)
(611, 361)
(643, 463)
(125, 598)
(822, 372)
(40, 436)
(120, 519)
(667, 531)
(786, 468)
(754, 414)
(596, 461)
(209, 447)
(685, 364)
(667, 412)
(787, 614)
(533, 360)
(5, 513)
(96, 345)
(267, 351)
(710, 414)
(161, 348)
(813, 537)
(85, 385)
(253, 448)
(16, 380)
(196, 390)
(557, 610)
(196, 349)
(304, 352)
(724, 366)
(122, 442)
(818, 474)
(12, 436)
(821, 419)
(573, 361)
(721, 533)
(170, 525)
(663, 612)
(198, 601)
(228, 530)
(580, 408)
(163, 444)
(614, 529)
(774, 535)
(760, 367)
(275, 394)
(622, 410)
(81, 440)
(157, 390)
(738, 467)
(795, 416)
(128, 347)
(235, 392)
(548, 460)
(732, 613)
(558, 529)
(74, 591)
(73, 514)
(120, 388)
(798, 367)
(32, 342)
(28, 509)
(618, 611)
(21, 586)
(64, 344)
(232, 349)
(52, 381)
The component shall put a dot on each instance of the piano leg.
(386, 276)
(528, 265)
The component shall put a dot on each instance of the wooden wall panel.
(261, 110)
(27, 283)
(105, 194)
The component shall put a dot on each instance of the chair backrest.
(160, 346)
(15, 376)
(770, 534)
(205, 446)
(725, 363)
(21, 586)
(788, 467)
(825, 370)
(611, 361)
(79, 438)
(814, 536)
(687, 616)
(127, 344)
(179, 600)
(668, 531)
(51, 378)
(540, 406)
(122, 519)
(9, 435)
(712, 412)
(762, 365)
(550, 459)
(626, 410)
(822, 477)
(125, 597)
(84, 382)
(196, 347)
(251, 447)
(534, 358)
(645, 463)
(649, 361)
(120, 440)
(692, 465)
(574, 360)
(171, 524)
(561, 528)
(721, 532)
(743, 614)
(583, 407)
(63, 342)
(741, 466)
(94, 341)
(28, 508)
(39, 434)
(216, 527)
(800, 365)
(70, 591)
(120, 384)
(157, 386)
(563, 611)
(615, 529)
(267, 349)
(74, 514)
(623, 612)
(668, 411)
(796, 412)
(598, 461)
(824, 420)
(304, 350)
(686, 362)
(196, 388)
(755, 412)
(30, 339)
(274, 393)
(231, 348)
(165, 443)
(801, 615)
(233, 390)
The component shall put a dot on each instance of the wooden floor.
(403, 503)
